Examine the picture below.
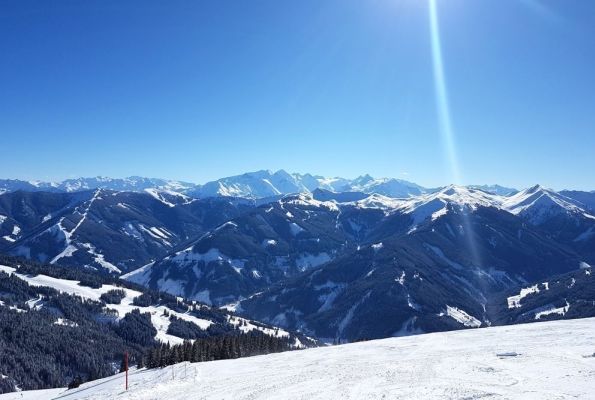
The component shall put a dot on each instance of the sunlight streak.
(442, 105)
(446, 129)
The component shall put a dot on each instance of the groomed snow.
(546, 360)
(158, 319)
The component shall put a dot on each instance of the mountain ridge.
(253, 185)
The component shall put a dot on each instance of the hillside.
(549, 360)
(58, 323)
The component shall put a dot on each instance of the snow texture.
(546, 360)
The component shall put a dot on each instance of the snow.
(65, 322)
(184, 257)
(462, 317)
(401, 279)
(306, 199)
(171, 191)
(538, 204)
(545, 360)
(160, 322)
(269, 242)
(157, 234)
(33, 394)
(435, 205)
(130, 230)
(35, 304)
(553, 310)
(377, 246)
(378, 201)
(412, 304)
(16, 230)
(100, 258)
(584, 265)
(295, 229)
(246, 325)
(515, 301)
(67, 252)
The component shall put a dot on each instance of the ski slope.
(547, 360)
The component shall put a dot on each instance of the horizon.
(271, 171)
(198, 91)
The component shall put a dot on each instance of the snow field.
(547, 360)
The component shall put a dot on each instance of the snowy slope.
(159, 313)
(538, 204)
(437, 204)
(549, 360)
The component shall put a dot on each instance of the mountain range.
(336, 259)
(255, 185)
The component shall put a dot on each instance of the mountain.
(539, 205)
(585, 198)
(11, 185)
(567, 296)
(563, 218)
(495, 189)
(132, 183)
(389, 187)
(330, 263)
(59, 323)
(248, 253)
(549, 360)
(252, 185)
(318, 261)
(435, 277)
(263, 184)
(116, 231)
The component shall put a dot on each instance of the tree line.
(216, 348)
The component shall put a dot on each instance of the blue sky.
(196, 90)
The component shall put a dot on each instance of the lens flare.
(446, 128)
(442, 105)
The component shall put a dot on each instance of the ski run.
(546, 360)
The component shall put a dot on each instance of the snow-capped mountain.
(328, 256)
(563, 218)
(251, 185)
(439, 276)
(263, 184)
(132, 184)
(259, 184)
(115, 231)
(585, 198)
(466, 230)
(495, 189)
(250, 252)
(11, 185)
(538, 204)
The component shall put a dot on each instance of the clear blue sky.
(196, 90)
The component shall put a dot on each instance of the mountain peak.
(535, 188)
